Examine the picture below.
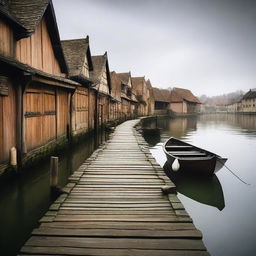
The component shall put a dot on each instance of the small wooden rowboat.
(182, 156)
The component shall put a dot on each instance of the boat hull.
(191, 158)
(206, 167)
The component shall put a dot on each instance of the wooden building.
(79, 60)
(142, 93)
(35, 94)
(100, 76)
(115, 103)
(183, 102)
(128, 97)
(161, 101)
(150, 101)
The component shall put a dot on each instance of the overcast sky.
(207, 46)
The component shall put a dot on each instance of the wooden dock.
(115, 207)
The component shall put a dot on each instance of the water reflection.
(25, 198)
(203, 189)
(231, 231)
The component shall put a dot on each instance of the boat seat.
(178, 146)
(188, 154)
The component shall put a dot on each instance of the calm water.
(24, 199)
(223, 208)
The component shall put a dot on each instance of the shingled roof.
(180, 94)
(124, 77)
(161, 94)
(28, 12)
(137, 81)
(99, 62)
(5, 13)
(75, 52)
(250, 95)
(116, 86)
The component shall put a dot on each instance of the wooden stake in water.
(54, 177)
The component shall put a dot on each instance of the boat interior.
(177, 149)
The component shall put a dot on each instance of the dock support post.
(54, 177)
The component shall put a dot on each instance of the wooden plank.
(107, 252)
(171, 244)
(124, 218)
(117, 233)
(121, 225)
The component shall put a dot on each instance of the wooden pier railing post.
(54, 176)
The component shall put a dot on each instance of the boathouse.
(100, 75)
(35, 94)
(183, 102)
(79, 60)
(161, 101)
(142, 93)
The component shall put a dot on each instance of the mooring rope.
(234, 173)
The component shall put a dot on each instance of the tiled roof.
(161, 94)
(180, 94)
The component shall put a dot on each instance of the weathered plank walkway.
(115, 207)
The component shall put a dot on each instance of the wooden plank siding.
(37, 51)
(62, 112)
(40, 116)
(7, 123)
(81, 110)
(6, 39)
(92, 108)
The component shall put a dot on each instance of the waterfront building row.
(53, 90)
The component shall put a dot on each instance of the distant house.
(183, 102)
(161, 101)
(248, 102)
(100, 76)
(142, 93)
(79, 60)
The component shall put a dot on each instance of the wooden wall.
(176, 107)
(7, 123)
(37, 51)
(81, 113)
(103, 87)
(63, 108)
(40, 115)
(46, 114)
(92, 108)
(6, 39)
